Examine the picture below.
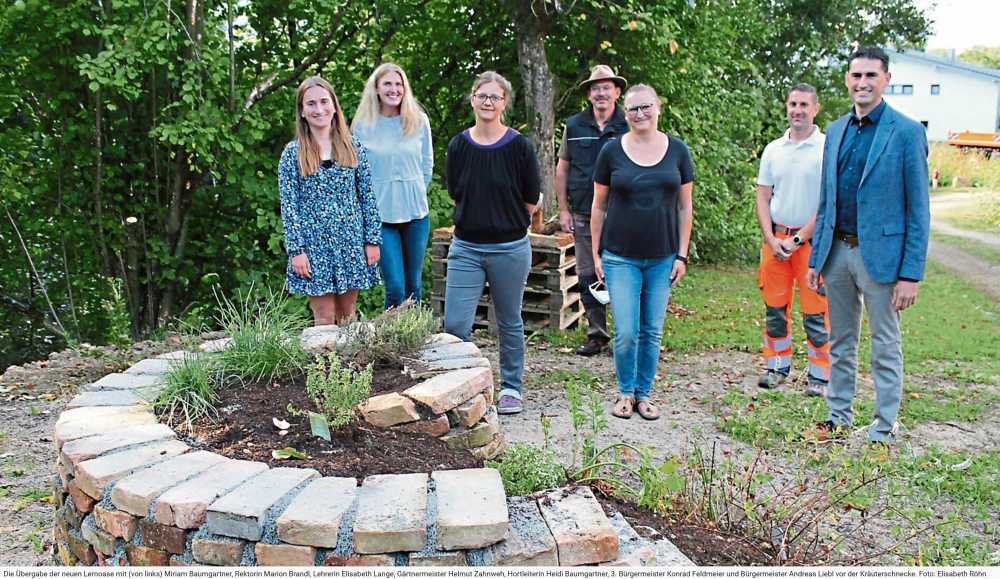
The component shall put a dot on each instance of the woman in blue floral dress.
(332, 225)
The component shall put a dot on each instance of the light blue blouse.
(401, 167)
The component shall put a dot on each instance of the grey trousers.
(847, 287)
(597, 314)
(505, 266)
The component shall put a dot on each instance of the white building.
(944, 94)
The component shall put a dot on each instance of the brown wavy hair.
(342, 148)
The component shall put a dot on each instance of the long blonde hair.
(310, 153)
(410, 111)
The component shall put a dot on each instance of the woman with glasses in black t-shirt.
(492, 174)
(641, 225)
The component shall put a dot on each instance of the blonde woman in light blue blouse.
(397, 135)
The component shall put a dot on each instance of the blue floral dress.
(330, 216)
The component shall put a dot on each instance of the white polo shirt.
(794, 170)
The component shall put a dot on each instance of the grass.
(970, 246)
(264, 329)
(953, 163)
(981, 213)
(190, 390)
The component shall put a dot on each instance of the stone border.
(130, 493)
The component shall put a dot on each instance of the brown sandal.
(646, 410)
(623, 407)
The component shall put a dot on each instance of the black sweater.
(491, 185)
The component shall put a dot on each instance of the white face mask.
(600, 292)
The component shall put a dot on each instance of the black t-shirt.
(643, 202)
(490, 185)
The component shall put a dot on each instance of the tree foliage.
(140, 138)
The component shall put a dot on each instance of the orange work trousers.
(777, 280)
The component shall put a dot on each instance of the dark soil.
(702, 545)
(245, 430)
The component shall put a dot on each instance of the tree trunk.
(539, 96)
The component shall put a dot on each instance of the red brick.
(218, 551)
(147, 557)
(359, 561)
(118, 523)
(84, 502)
(82, 549)
(163, 537)
(284, 555)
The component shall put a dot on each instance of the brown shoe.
(646, 409)
(623, 407)
(591, 347)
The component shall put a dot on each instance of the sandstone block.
(479, 435)
(102, 541)
(319, 339)
(146, 557)
(438, 559)
(80, 422)
(421, 369)
(469, 412)
(392, 514)
(163, 537)
(71, 515)
(81, 449)
(490, 450)
(434, 427)
(582, 532)
(105, 398)
(633, 549)
(122, 381)
(472, 508)
(441, 340)
(81, 549)
(95, 474)
(241, 512)
(529, 542)
(355, 560)
(388, 410)
(215, 345)
(81, 500)
(313, 517)
(135, 493)
(117, 523)
(185, 505)
(446, 391)
(222, 551)
(449, 351)
(151, 366)
(668, 555)
(285, 555)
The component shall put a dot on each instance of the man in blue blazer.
(870, 241)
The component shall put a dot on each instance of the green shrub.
(336, 389)
(190, 390)
(395, 333)
(119, 328)
(526, 469)
(265, 334)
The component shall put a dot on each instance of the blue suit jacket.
(893, 203)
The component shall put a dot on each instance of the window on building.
(935, 89)
(907, 89)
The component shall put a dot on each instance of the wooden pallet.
(551, 295)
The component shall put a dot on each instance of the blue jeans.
(505, 266)
(402, 261)
(640, 290)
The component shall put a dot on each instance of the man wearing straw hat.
(584, 135)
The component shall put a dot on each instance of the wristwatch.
(797, 240)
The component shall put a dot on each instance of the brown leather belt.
(775, 228)
(847, 238)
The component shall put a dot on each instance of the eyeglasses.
(482, 98)
(645, 109)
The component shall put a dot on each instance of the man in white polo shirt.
(787, 198)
